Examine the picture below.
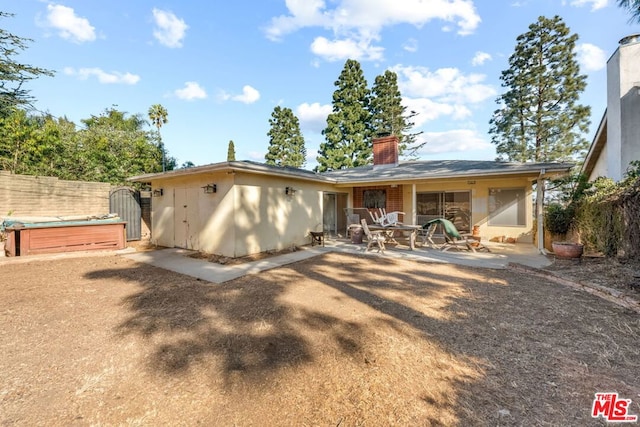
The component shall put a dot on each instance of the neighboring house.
(239, 208)
(617, 141)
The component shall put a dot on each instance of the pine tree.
(388, 115)
(286, 143)
(348, 131)
(540, 119)
(231, 152)
(633, 6)
(14, 75)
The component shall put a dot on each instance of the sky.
(220, 68)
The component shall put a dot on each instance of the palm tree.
(632, 6)
(158, 116)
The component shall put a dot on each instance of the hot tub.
(43, 236)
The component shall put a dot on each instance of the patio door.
(333, 205)
(452, 205)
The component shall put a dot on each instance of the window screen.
(507, 206)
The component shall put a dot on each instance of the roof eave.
(599, 141)
(229, 167)
(548, 173)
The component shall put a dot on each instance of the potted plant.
(559, 218)
(567, 250)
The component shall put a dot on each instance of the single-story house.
(617, 140)
(242, 207)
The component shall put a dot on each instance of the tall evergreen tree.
(633, 6)
(348, 131)
(231, 152)
(14, 75)
(388, 115)
(286, 143)
(540, 118)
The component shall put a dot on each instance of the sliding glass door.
(452, 205)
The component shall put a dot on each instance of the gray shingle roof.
(433, 169)
(405, 171)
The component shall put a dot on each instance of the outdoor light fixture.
(157, 192)
(210, 188)
(289, 191)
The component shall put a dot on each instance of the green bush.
(558, 218)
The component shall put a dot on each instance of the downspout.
(540, 211)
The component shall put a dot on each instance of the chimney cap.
(631, 38)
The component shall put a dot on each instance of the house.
(241, 207)
(617, 140)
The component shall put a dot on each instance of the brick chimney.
(385, 151)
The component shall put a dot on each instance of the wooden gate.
(125, 202)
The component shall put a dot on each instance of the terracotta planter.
(567, 249)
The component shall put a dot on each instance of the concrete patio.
(499, 258)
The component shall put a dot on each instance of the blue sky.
(220, 68)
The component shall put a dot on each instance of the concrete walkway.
(499, 257)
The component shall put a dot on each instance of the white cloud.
(455, 141)
(446, 84)
(595, 4)
(113, 77)
(410, 45)
(591, 57)
(170, 30)
(428, 110)
(370, 16)
(357, 23)
(249, 95)
(313, 116)
(346, 49)
(69, 25)
(480, 58)
(446, 92)
(191, 91)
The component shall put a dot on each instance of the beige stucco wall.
(206, 223)
(479, 189)
(600, 168)
(248, 214)
(268, 219)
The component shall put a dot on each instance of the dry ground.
(334, 340)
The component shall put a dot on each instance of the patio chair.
(455, 240)
(428, 232)
(392, 218)
(373, 238)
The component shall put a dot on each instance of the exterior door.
(329, 224)
(333, 219)
(186, 218)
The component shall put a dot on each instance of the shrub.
(558, 218)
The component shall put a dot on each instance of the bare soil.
(336, 340)
(621, 275)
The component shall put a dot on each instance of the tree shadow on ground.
(484, 347)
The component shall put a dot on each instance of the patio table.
(389, 230)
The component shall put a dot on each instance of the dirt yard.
(337, 340)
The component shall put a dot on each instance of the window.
(375, 199)
(507, 207)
